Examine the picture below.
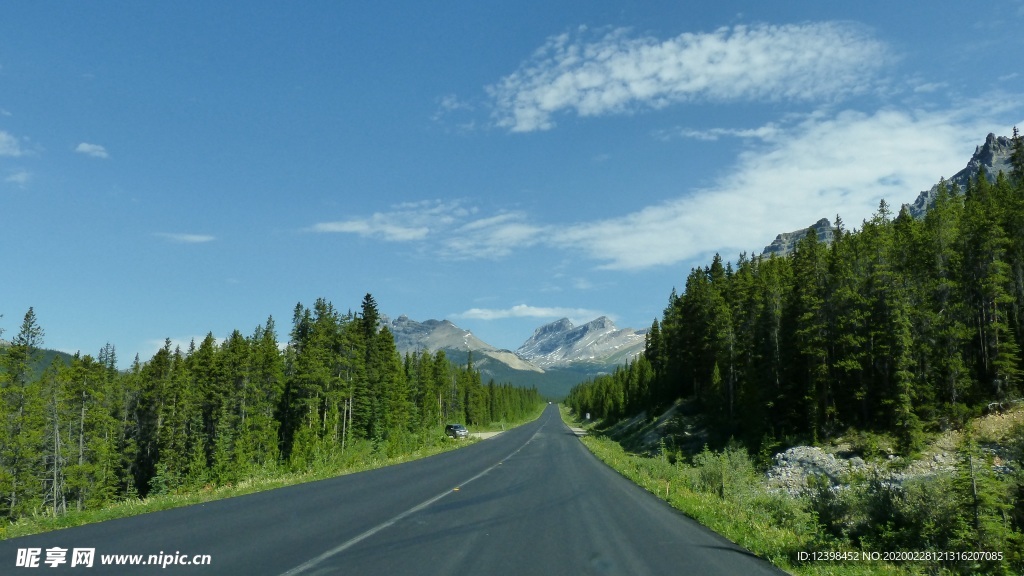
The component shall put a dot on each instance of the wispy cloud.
(10, 145)
(93, 150)
(19, 177)
(451, 228)
(928, 87)
(378, 225)
(817, 167)
(790, 174)
(403, 223)
(768, 131)
(450, 103)
(494, 236)
(575, 315)
(179, 238)
(616, 73)
(456, 112)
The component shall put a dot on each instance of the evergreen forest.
(901, 329)
(900, 326)
(83, 434)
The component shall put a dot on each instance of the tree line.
(898, 327)
(82, 433)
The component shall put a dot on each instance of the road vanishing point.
(530, 501)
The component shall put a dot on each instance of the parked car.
(456, 431)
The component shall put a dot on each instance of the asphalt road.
(531, 501)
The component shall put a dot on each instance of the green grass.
(258, 482)
(736, 505)
(268, 480)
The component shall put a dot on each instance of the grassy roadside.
(261, 481)
(714, 493)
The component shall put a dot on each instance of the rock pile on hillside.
(794, 466)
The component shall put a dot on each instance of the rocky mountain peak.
(556, 327)
(786, 242)
(994, 150)
(433, 335)
(993, 155)
(561, 343)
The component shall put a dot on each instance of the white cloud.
(451, 103)
(94, 150)
(404, 223)
(790, 174)
(493, 237)
(377, 225)
(575, 315)
(186, 238)
(616, 73)
(449, 225)
(10, 145)
(930, 87)
(20, 177)
(766, 132)
(816, 168)
(455, 111)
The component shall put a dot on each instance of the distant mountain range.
(993, 155)
(556, 357)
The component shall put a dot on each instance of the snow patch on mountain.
(433, 335)
(599, 341)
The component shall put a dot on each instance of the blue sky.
(172, 169)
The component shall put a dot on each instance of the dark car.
(456, 431)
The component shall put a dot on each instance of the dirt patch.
(484, 435)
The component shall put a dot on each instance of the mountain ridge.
(556, 357)
(433, 335)
(599, 341)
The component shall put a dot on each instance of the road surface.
(530, 501)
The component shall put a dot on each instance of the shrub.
(729, 473)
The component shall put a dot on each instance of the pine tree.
(155, 393)
(54, 446)
(21, 436)
(944, 302)
(769, 396)
(987, 274)
(397, 408)
(848, 318)
(1017, 160)
(257, 444)
(811, 397)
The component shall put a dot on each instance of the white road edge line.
(352, 542)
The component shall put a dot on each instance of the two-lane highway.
(530, 501)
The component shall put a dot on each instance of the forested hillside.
(900, 326)
(900, 333)
(84, 434)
